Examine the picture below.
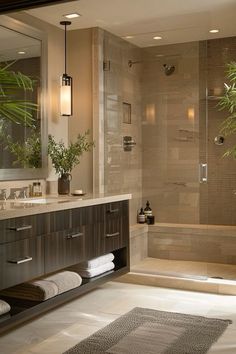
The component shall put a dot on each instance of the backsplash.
(18, 186)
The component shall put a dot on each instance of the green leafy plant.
(27, 153)
(13, 87)
(228, 102)
(64, 159)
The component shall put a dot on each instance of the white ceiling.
(175, 20)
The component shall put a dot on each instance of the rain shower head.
(168, 69)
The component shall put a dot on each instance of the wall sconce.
(66, 85)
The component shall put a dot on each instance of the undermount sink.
(42, 201)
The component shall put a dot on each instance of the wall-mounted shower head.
(168, 69)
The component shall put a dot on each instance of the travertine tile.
(109, 302)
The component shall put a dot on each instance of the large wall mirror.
(23, 77)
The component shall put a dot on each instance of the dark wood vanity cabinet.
(83, 233)
(33, 246)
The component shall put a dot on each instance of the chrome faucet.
(3, 195)
(16, 193)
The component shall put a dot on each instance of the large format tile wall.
(171, 132)
(122, 169)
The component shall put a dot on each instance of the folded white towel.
(93, 272)
(4, 307)
(97, 262)
(65, 280)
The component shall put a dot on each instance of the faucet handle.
(23, 192)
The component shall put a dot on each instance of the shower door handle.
(203, 172)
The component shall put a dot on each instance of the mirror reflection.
(20, 120)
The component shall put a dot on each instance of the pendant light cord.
(65, 23)
(65, 47)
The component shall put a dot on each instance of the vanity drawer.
(21, 261)
(116, 226)
(64, 248)
(24, 227)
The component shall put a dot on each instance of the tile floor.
(65, 326)
(184, 275)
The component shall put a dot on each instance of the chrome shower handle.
(203, 172)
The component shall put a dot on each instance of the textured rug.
(147, 331)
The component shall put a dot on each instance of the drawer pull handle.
(111, 211)
(113, 235)
(21, 228)
(69, 237)
(20, 261)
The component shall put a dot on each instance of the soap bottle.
(37, 191)
(147, 210)
(141, 217)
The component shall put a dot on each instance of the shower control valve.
(128, 143)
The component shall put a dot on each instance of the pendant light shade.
(66, 85)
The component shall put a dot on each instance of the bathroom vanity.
(43, 236)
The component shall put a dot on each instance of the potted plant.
(228, 101)
(64, 159)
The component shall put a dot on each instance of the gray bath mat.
(154, 332)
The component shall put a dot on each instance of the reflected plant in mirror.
(23, 77)
(15, 109)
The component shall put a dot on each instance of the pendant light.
(66, 84)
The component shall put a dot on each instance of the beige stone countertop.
(49, 203)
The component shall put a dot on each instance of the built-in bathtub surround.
(202, 243)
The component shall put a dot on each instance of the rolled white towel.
(93, 272)
(65, 280)
(97, 262)
(4, 307)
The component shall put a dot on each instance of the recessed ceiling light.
(129, 37)
(73, 15)
(157, 37)
(214, 31)
(21, 52)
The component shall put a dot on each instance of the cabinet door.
(21, 261)
(94, 240)
(111, 233)
(116, 226)
(64, 248)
